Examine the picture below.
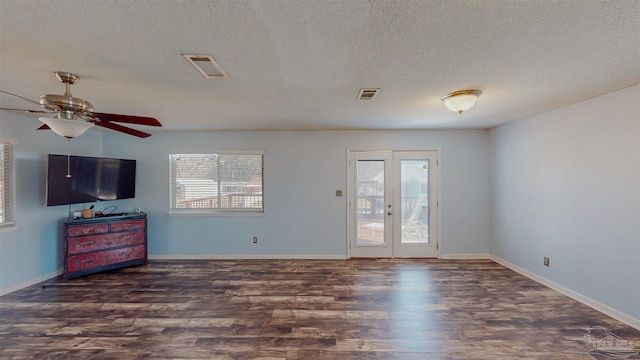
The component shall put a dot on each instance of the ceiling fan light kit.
(67, 128)
(459, 101)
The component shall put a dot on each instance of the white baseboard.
(30, 282)
(245, 257)
(605, 309)
(464, 256)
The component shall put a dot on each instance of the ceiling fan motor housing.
(69, 107)
(66, 104)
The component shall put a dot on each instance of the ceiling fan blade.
(29, 111)
(123, 129)
(19, 97)
(130, 119)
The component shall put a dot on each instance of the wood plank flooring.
(300, 309)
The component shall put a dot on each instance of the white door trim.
(350, 191)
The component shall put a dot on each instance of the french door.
(393, 204)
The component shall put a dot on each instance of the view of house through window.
(217, 182)
(7, 188)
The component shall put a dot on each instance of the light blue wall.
(566, 185)
(302, 172)
(33, 250)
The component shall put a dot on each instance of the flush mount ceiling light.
(459, 101)
(207, 66)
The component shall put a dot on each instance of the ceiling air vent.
(367, 94)
(207, 66)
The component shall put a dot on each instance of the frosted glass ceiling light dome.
(459, 101)
(67, 128)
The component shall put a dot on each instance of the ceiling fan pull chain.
(68, 176)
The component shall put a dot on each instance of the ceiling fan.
(74, 116)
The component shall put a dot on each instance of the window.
(7, 185)
(220, 182)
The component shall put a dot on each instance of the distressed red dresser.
(106, 243)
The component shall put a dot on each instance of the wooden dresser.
(105, 243)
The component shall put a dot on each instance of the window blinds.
(217, 182)
(7, 185)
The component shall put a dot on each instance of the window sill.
(8, 229)
(231, 213)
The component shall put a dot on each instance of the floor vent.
(368, 94)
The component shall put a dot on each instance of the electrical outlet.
(338, 193)
(255, 239)
(546, 261)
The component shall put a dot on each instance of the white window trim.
(215, 212)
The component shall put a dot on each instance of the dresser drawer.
(104, 258)
(104, 241)
(87, 229)
(127, 225)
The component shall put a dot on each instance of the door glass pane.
(370, 202)
(415, 201)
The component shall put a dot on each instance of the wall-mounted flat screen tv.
(83, 179)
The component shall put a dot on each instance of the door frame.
(351, 190)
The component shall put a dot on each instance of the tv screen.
(82, 179)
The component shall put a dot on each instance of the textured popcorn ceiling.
(299, 65)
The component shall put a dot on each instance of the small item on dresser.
(87, 213)
(108, 211)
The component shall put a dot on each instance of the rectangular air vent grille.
(367, 94)
(207, 66)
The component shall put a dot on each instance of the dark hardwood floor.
(301, 309)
